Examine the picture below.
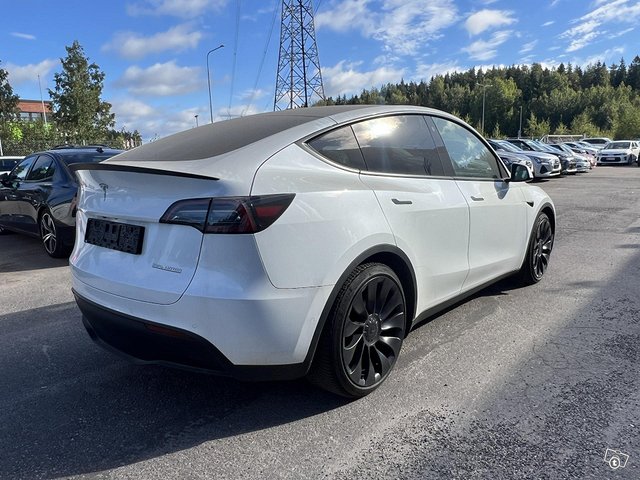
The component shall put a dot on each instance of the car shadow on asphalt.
(71, 408)
(21, 253)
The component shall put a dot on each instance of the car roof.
(224, 137)
(215, 149)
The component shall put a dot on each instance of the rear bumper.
(146, 342)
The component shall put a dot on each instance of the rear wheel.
(49, 236)
(364, 332)
(539, 249)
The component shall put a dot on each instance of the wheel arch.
(389, 255)
(551, 213)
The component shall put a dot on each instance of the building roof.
(33, 106)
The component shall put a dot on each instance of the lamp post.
(209, 80)
(520, 128)
(196, 117)
(44, 112)
(484, 96)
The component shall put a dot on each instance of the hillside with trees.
(594, 101)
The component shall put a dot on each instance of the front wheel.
(539, 249)
(364, 332)
(49, 236)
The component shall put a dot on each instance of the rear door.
(426, 211)
(33, 193)
(10, 194)
(497, 209)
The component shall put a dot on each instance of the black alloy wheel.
(364, 334)
(539, 251)
(49, 236)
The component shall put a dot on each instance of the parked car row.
(550, 160)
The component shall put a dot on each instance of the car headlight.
(537, 159)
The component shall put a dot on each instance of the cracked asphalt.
(514, 383)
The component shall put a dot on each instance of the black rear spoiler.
(130, 168)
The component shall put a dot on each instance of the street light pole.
(520, 128)
(196, 115)
(484, 96)
(209, 80)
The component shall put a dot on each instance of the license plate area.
(115, 236)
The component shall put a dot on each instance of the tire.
(363, 335)
(4, 231)
(539, 250)
(49, 236)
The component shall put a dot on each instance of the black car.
(38, 196)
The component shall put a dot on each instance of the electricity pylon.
(299, 80)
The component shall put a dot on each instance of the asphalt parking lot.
(531, 382)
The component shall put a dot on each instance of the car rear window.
(86, 157)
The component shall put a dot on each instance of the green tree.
(78, 110)
(8, 101)
(536, 128)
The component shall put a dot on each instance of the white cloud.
(155, 122)
(133, 45)
(344, 79)
(252, 94)
(527, 47)
(548, 24)
(487, 19)
(21, 74)
(427, 71)
(161, 79)
(176, 8)
(130, 110)
(25, 36)
(588, 27)
(487, 49)
(609, 55)
(403, 26)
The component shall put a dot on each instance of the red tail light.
(228, 214)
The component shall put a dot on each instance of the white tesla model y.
(301, 242)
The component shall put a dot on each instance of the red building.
(31, 110)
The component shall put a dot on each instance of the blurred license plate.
(116, 236)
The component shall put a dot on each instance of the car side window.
(400, 144)
(20, 171)
(340, 146)
(469, 155)
(43, 169)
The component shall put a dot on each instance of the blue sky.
(153, 52)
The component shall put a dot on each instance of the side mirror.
(520, 173)
(4, 179)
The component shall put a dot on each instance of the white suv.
(306, 241)
(624, 152)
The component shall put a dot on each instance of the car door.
(33, 192)
(424, 208)
(497, 209)
(10, 192)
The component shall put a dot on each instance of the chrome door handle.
(401, 202)
(477, 199)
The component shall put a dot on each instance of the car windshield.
(543, 147)
(509, 147)
(617, 145)
(87, 157)
(563, 147)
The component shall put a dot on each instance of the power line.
(264, 55)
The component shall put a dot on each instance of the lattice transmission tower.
(299, 79)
